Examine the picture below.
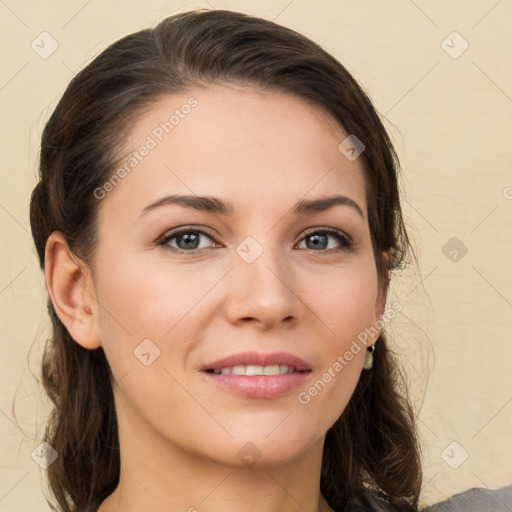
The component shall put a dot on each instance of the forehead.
(240, 143)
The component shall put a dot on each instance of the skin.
(180, 434)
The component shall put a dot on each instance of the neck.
(157, 476)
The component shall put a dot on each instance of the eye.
(318, 239)
(186, 240)
(192, 240)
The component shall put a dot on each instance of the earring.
(368, 358)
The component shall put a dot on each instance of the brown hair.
(373, 445)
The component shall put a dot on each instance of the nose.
(262, 292)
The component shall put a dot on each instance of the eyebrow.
(217, 206)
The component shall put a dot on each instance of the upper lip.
(259, 359)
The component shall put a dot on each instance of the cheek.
(345, 302)
(148, 295)
(344, 299)
(141, 306)
(146, 299)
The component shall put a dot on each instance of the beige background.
(450, 120)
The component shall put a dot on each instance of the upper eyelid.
(326, 229)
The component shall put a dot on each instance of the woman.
(218, 217)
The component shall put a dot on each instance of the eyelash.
(345, 241)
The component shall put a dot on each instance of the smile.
(255, 370)
(258, 375)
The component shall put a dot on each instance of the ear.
(71, 289)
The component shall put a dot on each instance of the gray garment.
(477, 499)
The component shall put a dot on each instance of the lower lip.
(259, 386)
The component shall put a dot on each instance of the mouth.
(257, 375)
(251, 369)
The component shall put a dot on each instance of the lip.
(259, 386)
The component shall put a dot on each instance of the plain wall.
(449, 117)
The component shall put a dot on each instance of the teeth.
(238, 370)
(255, 370)
(272, 370)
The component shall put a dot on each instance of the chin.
(265, 449)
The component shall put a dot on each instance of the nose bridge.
(262, 283)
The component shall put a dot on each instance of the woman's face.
(260, 273)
